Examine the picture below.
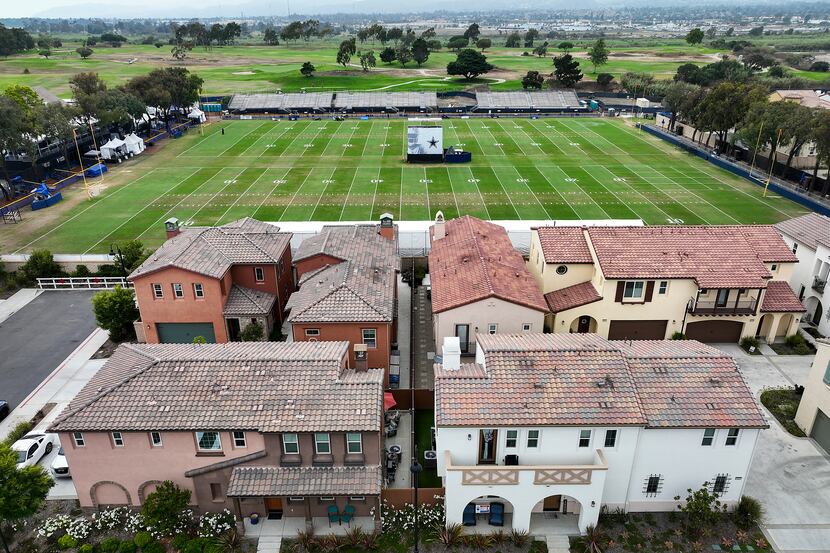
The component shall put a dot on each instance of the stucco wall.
(314, 262)
(816, 392)
(353, 332)
(545, 274)
(509, 316)
(802, 276)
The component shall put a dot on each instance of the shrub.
(40, 264)
(678, 336)
(795, 340)
(20, 430)
(748, 513)
(450, 535)
(252, 333)
(154, 547)
(81, 271)
(520, 538)
(194, 546)
(749, 342)
(802, 349)
(142, 538)
(329, 543)
(115, 311)
(163, 508)
(604, 79)
(230, 542)
(592, 541)
(702, 510)
(67, 542)
(110, 545)
(179, 541)
(86, 548)
(354, 536)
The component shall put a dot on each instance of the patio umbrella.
(388, 401)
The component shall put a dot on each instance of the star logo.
(433, 143)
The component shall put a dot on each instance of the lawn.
(531, 169)
(424, 421)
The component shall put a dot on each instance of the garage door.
(821, 430)
(637, 330)
(715, 331)
(183, 333)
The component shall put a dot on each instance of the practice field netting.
(353, 170)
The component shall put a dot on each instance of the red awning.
(388, 401)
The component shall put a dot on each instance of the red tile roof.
(811, 229)
(780, 298)
(572, 296)
(564, 245)
(714, 256)
(475, 261)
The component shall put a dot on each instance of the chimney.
(440, 231)
(171, 225)
(387, 226)
(361, 361)
(451, 353)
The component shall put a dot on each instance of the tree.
(472, 33)
(533, 79)
(46, 52)
(701, 510)
(394, 34)
(26, 98)
(292, 31)
(695, 36)
(675, 97)
(133, 254)
(387, 55)
(41, 264)
(308, 69)
(598, 54)
(756, 31)
(820, 66)
(22, 491)
(687, 73)
(12, 129)
(541, 50)
(271, 37)
(231, 32)
(530, 36)
(469, 63)
(457, 42)
(484, 43)
(724, 107)
(566, 46)
(566, 70)
(115, 40)
(821, 137)
(14, 41)
(367, 59)
(181, 49)
(162, 509)
(420, 51)
(514, 40)
(604, 79)
(115, 311)
(165, 88)
(347, 49)
(84, 52)
(253, 332)
(119, 107)
(403, 54)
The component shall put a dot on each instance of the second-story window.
(584, 438)
(312, 332)
(158, 291)
(78, 438)
(208, 441)
(239, 439)
(492, 328)
(732, 436)
(610, 438)
(155, 439)
(795, 247)
(178, 291)
(117, 439)
(532, 439)
(198, 290)
(708, 437)
(322, 443)
(663, 288)
(370, 338)
(259, 274)
(512, 439)
(290, 444)
(633, 290)
(527, 327)
(354, 443)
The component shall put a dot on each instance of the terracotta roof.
(811, 229)
(263, 386)
(475, 261)
(302, 481)
(360, 244)
(807, 98)
(583, 379)
(564, 245)
(714, 256)
(226, 463)
(572, 296)
(244, 301)
(780, 298)
(212, 251)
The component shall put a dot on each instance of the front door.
(584, 324)
(233, 330)
(487, 447)
(463, 333)
(817, 314)
(723, 296)
(552, 503)
(273, 506)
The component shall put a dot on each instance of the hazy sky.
(16, 8)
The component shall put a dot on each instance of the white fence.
(82, 283)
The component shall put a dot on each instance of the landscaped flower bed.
(783, 404)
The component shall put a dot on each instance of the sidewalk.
(18, 301)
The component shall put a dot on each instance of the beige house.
(480, 283)
(713, 284)
(813, 415)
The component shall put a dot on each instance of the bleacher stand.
(309, 102)
(552, 101)
(389, 102)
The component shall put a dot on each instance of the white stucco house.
(813, 415)
(556, 426)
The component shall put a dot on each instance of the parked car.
(4, 409)
(31, 448)
(60, 468)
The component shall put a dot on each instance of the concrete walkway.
(404, 331)
(19, 300)
(422, 340)
(558, 544)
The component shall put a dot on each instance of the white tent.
(113, 148)
(135, 145)
(198, 115)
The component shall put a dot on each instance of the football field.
(353, 170)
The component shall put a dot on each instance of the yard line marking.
(597, 134)
(452, 190)
(255, 142)
(546, 137)
(620, 200)
(426, 190)
(496, 143)
(516, 142)
(211, 133)
(567, 176)
(636, 191)
(374, 196)
(313, 138)
(271, 193)
(323, 191)
(569, 141)
(506, 193)
(470, 130)
(480, 195)
(693, 193)
(285, 130)
(756, 198)
(221, 190)
(519, 175)
(239, 197)
(532, 140)
(349, 191)
(351, 136)
(238, 141)
(368, 136)
(310, 170)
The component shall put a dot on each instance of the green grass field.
(353, 171)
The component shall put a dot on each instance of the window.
(732, 436)
(795, 247)
(584, 438)
(720, 483)
(633, 290)
(357, 498)
(117, 439)
(527, 327)
(532, 438)
(708, 437)
(198, 291)
(370, 338)
(312, 332)
(562, 269)
(155, 439)
(208, 441)
(290, 444)
(327, 499)
(610, 438)
(663, 288)
(774, 267)
(512, 439)
(322, 445)
(653, 485)
(178, 291)
(158, 292)
(354, 443)
(239, 439)
(296, 499)
(215, 491)
(259, 274)
(827, 374)
(492, 328)
(79, 439)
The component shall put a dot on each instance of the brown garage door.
(715, 331)
(637, 330)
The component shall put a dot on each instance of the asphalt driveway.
(38, 337)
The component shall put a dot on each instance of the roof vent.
(710, 406)
(661, 370)
(164, 409)
(604, 405)
(714, 381)
(606, 382)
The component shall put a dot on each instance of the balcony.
(819, 284)
(741, 307)
(540, 475)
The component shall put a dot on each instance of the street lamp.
(415, 468)
(115, 251)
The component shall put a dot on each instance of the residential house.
(347, 277)
(556, 427)
(479, 283)
(813, 415)
(273, 428)
(711, 283)
(808, 237)
(213, 281)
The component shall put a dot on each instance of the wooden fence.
(406, 399)
(399, 497)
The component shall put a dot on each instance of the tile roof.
(572, 296)
(475, 261)
(807, 98)
(360, 244)
(564, 245)
(212, 250)
(780, 298)
(302, 481)
(263, 386)
(714, 256)
(245, 301)
(583, 379)
(811, 229)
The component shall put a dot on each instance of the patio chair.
(334, 515)
(469, 516)
(496, 514)
(348, 515)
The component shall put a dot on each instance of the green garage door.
(183, 333)
(821, 430)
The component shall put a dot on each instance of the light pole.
(415, 468)
(115, 251)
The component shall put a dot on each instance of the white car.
(60, 468)
(31, 448)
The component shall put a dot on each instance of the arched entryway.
(556, 514)
(765, 326)
(784, 324)
(815, 310)
(583, 324)
(107, 493)
(488, 513)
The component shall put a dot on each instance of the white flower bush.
(212, 525)
(395, 519)
(118, 517)
(78, 528)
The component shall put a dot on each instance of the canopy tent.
(113, 149)
(197, 115)
(134, 143)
